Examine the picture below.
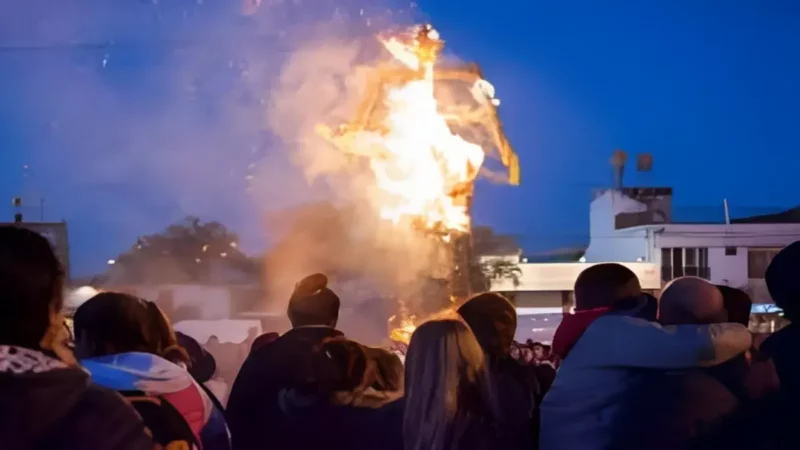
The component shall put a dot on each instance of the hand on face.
(57, 339)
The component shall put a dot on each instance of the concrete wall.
(556, 277)
(767, 235)
(605, 242)
(730, 270)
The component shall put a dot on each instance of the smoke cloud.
(134, 114)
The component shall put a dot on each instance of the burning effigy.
(425, 153)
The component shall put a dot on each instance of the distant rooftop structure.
(791, 215)
(637, 206)
(564, 255)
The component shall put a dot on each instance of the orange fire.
(403, 332)
(423, 170)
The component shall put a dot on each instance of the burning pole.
(424, 167)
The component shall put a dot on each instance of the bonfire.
(424, 171)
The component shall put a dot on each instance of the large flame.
(423, 171)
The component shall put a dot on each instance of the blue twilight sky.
(120, 139)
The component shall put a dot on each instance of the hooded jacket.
(582, 406)
(46, 405)
(156, 376)
(493, 320)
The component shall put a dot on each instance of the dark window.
(690, 256)
(703, 256)
(730, 251)
(677, 262)
(666, 264)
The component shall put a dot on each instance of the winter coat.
(253, 410)
(582, 406)
(781, 349)
(344, 421)
(672, 410)
(152, 375)
(46, 405)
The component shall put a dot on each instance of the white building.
(544, 292)
(635, 224)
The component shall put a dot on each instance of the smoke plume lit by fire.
(400, 139)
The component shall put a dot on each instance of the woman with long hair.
(128, 344)
(449, 402)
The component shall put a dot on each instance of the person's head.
(782, 282)
(31, 287)
(446, 382)
(604, 285)
(112, 322)
(202, 365)
(339, 365)
(493, 320)
(737, 303)
(691, 300)
(538, 350)
(387, 368)
(313, 304)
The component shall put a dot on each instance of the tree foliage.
(189, 251)
(482, 273)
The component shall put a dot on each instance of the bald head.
(691, 300)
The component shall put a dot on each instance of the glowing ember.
(423, 171)
(403, 333)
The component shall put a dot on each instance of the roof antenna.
(727, 211)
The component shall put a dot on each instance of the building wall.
(556, 277)
(765, 235)
(730, 270)
(607, 243)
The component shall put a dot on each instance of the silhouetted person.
(493, 320)
(449, 401)
(603, 347)
(46, 403)
(128, 344)
(670, 410)
(253, 412)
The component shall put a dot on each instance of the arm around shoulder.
(633, 342)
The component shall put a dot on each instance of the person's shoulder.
(101, 419)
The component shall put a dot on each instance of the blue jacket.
(580, 409)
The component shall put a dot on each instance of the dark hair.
(312, 303)
(202, 365)
(388, 370)
(114, 322)
(338, 365)
(782, 283)
(737, 303)
(31, 286)
(603, 285)
(493, 320)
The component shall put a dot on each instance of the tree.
(185, 252)
(483, 272)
